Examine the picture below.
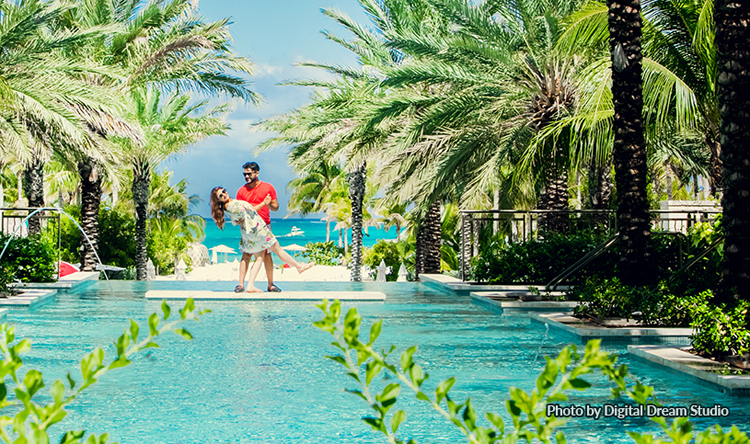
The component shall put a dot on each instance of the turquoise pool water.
(255, 372)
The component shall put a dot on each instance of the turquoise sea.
(314, 231)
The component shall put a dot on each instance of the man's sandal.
(239, 289)
(274, 289)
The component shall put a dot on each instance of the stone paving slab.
(283, 296)
(29, 299)
(459, 286)
(69, 282)
(586, 331)
(694, 367)
(495, 300)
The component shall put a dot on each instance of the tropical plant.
(172, 125)
(159, 44)
(535, 416)
(34, 417)
(28, 259)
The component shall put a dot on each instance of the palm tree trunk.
(555, 197)
(600, 194)
(732, 34)
(629, 150)
(328, 230)
(91, 197)
(34, 190)
(429, 238)
(357, 195)
(141, 188)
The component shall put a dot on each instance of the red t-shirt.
(254, 196)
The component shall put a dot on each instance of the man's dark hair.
(251, 166)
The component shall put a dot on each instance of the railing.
(521, 226)
(13, 223)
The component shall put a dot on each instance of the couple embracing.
(250, 210)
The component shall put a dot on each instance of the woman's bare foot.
(253, 290)
(304, 267)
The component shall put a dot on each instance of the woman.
(256, 237)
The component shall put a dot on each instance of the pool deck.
(459, 286)
(29, 299)
(502, 302)
(70, 282)
(699, 369)
(586, 330)
(283, 296)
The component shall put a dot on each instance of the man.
(262, 196)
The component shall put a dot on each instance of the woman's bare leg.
(287, 258)
(254, 272)
(244, 266)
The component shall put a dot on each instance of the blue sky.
(275, 35)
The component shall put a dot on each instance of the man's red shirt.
(254, 196)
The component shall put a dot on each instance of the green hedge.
(27, 259)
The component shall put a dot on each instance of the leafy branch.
(528, 412)
(31, 423)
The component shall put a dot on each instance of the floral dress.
(256, 236)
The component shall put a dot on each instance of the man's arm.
(273, 205)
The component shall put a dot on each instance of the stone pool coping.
(28, 299)
(70, 282)
(694, 367)
(459, 286)
(586, 330)
(266, 296)
(496, 301)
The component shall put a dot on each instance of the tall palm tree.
(311, 192)
(172, 124)
(732, 36)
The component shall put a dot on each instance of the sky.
(275, 35)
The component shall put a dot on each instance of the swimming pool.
(256, 371)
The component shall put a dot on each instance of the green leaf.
(375, 423)
(579, 384)
(422, 396)
(188, 308)
(443, 388)
(151, 345)
(406, 358)
(153, 324)
(71, 437)
(58, 391)
(496, 421)
(134, 330)
(120, 362)
(184, 333)
(397, 419)
(166, 309)
(339, 359)
(33, 382)
(389, 392)
(375, 331)
(71, 381)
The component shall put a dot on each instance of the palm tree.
(172, 125)
(52, 109)
(732, 36)
(161, 44)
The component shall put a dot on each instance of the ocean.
(313, 231)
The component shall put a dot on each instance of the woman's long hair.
(217, 209)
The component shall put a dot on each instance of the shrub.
(28, 259)
(538, 261)
(721, 331)
(323, 253)
(383, 251)
(650, 305)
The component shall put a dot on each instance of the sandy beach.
(230, 272)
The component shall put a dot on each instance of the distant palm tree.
(172, 125)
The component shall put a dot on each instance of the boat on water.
(295, 232)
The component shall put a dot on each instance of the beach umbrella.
(221, 249)
(294, 247)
